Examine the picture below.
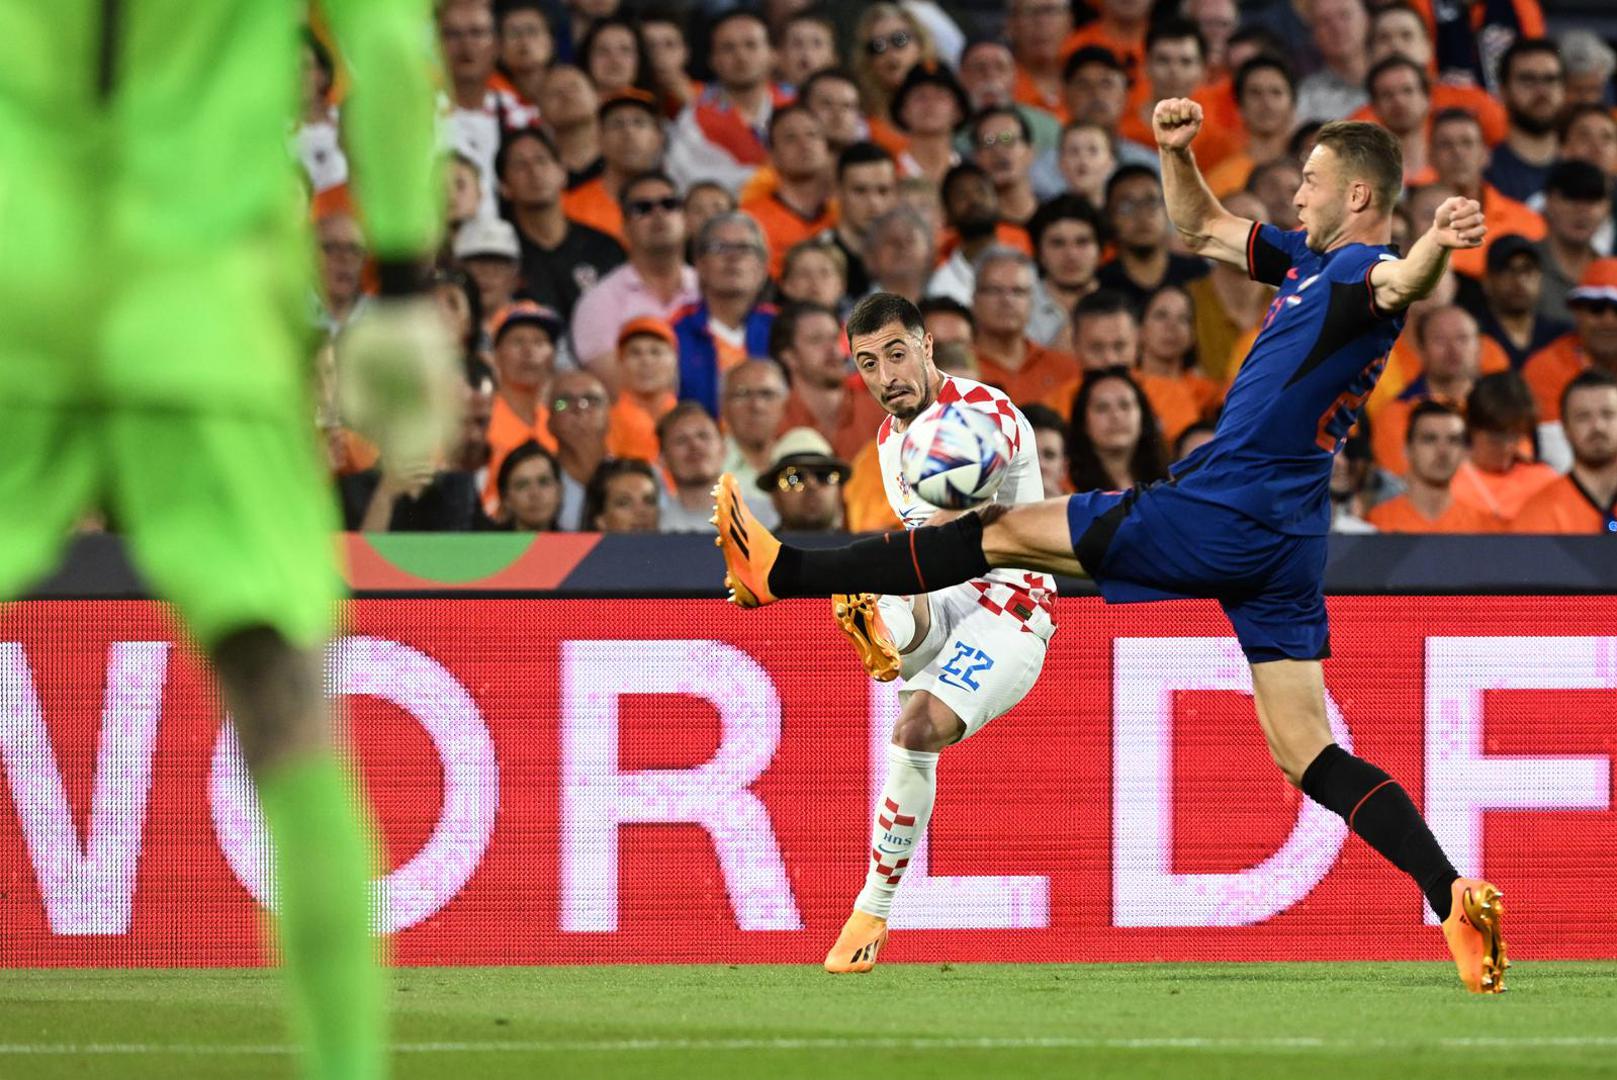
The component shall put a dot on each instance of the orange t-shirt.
(632, 430)
(1478, 102)
(1026, 92)
(857, 419)
(589, 204)
(1223, 131)
(1004, 233)
(1043, 371)
(506, 432)
(1177, 400)
(1501, 495)
(1565, 507)
(784, 228)
(1399, 515)
(1501, 214)
(864, 498)
(1550, 369)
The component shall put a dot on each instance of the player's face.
(630, 505)
(1591, 426)
(532, 496)
(1437, 449)
(1321, 199)
(897, 369)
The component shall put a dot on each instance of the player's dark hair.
(538, 135)
(879, 309)
(1124, 173)
(1430, 407)
(946, 305)
(991, 111)
(1148, 462)
(861, 153)
(1264, 62)
(1065, 207)
(784, 330)
(521, 455)
(1501, 403)
(1393, 63)
(1044, 418)
(1103, 302)
(1527, 47)
(608, 471)
(1368, 152)
(1175, 28)
(1590, 378)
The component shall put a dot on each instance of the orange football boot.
(858, 617)
(749, 548)
(1473, 933)
(855, 951)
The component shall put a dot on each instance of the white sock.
(901, 817)
(899, 618)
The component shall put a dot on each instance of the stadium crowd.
(648, 271)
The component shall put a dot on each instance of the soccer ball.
(955, 458)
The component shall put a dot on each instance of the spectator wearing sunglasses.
(655, 282)
(804, 481)
(888, 42)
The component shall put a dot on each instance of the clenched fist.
(1458, 223)
(1175, 122)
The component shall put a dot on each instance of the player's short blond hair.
(1368, 152)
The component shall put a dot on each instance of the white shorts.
(978, 663)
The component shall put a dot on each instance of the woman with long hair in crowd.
(1179, 394)
(1113, 442)
(614, 56)
(888, 41)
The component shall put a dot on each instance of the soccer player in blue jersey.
(1244, 519)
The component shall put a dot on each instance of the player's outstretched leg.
(323, 861)
(859, 619)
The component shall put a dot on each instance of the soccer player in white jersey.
(967, 653)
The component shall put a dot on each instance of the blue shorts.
(1154, 543)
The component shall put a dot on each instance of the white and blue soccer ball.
(955, 458)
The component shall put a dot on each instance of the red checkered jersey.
(1019, 594)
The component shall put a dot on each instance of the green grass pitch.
(1247, 1021)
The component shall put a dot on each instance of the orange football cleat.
(749, 548)
(855, 951)
(858, 617)
(1473, 933)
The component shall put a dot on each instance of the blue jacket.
(699, 354)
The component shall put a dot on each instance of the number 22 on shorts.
(962, 668)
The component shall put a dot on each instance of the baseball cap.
(647, 324)
(1507, 247)
(526, 311)
(801, 446)
(1598, 284)
(487, 236)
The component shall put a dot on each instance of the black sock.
(895, 563)
(1378, 808)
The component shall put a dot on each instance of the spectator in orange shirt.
(1532, 83)
(1105, 335)
(1066, 235)
(1138, 220)
(1500, 420)
(899, 253)
(524, 335)
(1397, 29)
(825, 395)
(1435, 446)
(1004, 148)
(1038, 31)
(1228, 303)
(1120, 29)
(1002, 305)
(1266, 94)
(648, 386)
(928, 107)
(1175, 67)
(1050, 443)
(527, 48)
(1458, 154)
(1113, 442)
(1576, 208)
(888, 41)
(1401, 101)
(1451, 350)
(807, 43)
(1179, 394)
(1593, 340)
(753, 408)
(1508, 313)
(800, 204)
(1585, 500)
(631, 144)
(624, 497)
(579, 422)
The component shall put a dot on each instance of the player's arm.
(1397, 283)
(1208, 229)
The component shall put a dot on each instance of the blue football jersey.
(1322, 347)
